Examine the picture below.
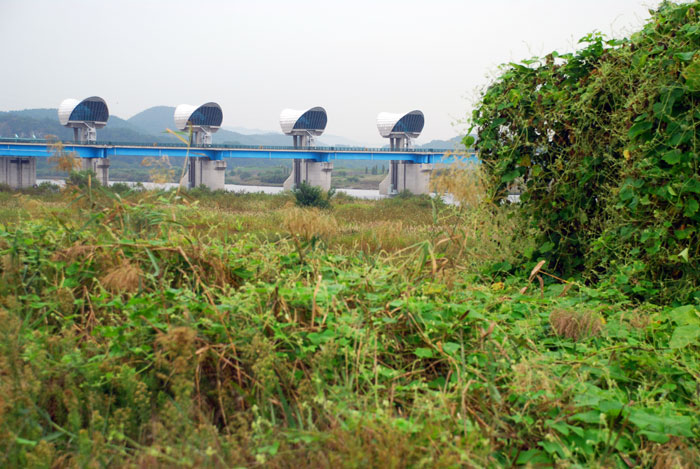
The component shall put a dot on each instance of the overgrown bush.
(82, 179)
(274, 176)
(160, 330)
(307, 195)
(605, 142)
(124, 188)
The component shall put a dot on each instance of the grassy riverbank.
(224, 330)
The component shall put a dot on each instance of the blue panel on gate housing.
(312, 120)
(207, 115)
(410, 123)
(90, 111)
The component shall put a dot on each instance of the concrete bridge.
(409, 168)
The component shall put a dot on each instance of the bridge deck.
(44, 149)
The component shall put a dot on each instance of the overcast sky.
(355, 58)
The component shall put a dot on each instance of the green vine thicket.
(604, 142)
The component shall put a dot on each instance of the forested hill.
(158, 118)
(454, 143)
(38, 123)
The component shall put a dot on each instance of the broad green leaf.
(553, 447)
(656, 437)
(684, 336)
(534, 456)
(639, 128)
(691, 207)
(546, 247)
(692, 76)
(626, 193)
(422, 352)
(685, 56)
(685, 315)
(672, 157)
(592, 416)
(450, 348)
(509, 176)
(611, 407)
(649, 420)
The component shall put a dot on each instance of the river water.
(359, 193)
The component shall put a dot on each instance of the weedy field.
(199, 329)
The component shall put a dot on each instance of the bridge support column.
(18, 172)
(314, 173)
(406, 176)
(206, 172)
(99, 166)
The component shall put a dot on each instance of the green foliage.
(82, 179)
(121, 188)
(307, 195)
(152, 330)
(273, 176)
(605, 143)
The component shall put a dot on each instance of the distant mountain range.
(454, 143)
(149, 126)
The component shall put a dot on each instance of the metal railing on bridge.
(320, 149)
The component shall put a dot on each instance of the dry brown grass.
(305, 223)
(575, 325)
(675, 454)
(29, 204)
(530, 376)
(73, 253)
(161, 170)
(125, 277)
(478, 232)
(387, 236)
(62, 160)
(465, 181)
(636, 319)
(8, 267)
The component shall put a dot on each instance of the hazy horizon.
(256, 58)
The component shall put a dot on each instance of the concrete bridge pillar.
(206, 172)
(99, 166)
(18, 172)
(406, 176)
(314, 173)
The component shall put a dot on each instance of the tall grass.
(223, 330)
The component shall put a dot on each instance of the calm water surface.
(359, 193)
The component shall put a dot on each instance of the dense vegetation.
(212, 329)
(606, 143)
(206, 329)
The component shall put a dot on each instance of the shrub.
(307, 195)
(605, 143)
(82, 179)
(274, 176)
(122, 188)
